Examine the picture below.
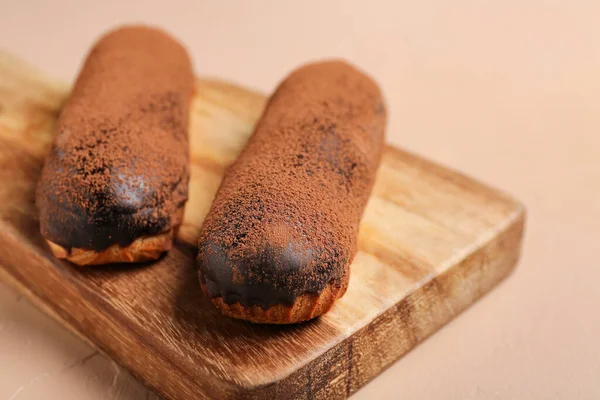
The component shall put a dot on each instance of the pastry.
(115, 182)
(278, 240)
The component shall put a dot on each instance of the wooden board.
(431, 243)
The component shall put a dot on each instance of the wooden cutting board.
(431, 243)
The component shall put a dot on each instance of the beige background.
(506, 91)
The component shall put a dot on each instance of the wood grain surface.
(431, 243)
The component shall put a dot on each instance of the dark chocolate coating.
(285, 219)
(114, 218)
(263, 276)
(118, 167)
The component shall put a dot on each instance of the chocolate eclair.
(278, 240)
(115, 182)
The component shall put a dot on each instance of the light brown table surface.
(505, 91)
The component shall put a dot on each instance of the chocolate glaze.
(118, 167)
(284, 221)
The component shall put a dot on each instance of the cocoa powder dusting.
(118, 167)
(285, 219)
